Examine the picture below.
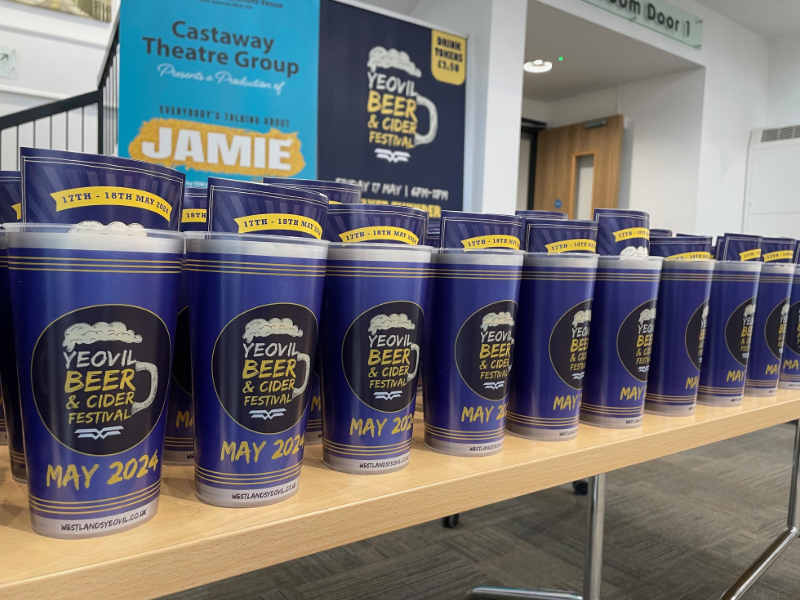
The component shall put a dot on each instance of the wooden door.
(557, 158)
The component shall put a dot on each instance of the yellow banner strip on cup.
(633, 232)
(778, 255)
(194, 215)
(280, 222)
(491, 241)
(17, 209)
(571, 245)
(750, 254)
(106, 195)
(367, 234)
(690, 255)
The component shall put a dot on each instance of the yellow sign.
(750, 254)
(366, 234)
(491, 241)
(194, 215)
(218, 149)
(279, 221)
(633, 232)
(448, 57)
(778, 255)
(690, 256)
(17, 209)
(571, 246)
(106, 195)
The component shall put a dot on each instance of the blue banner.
(226, 88)
(392, 110)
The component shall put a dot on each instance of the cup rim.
(61, 228)
(253, 237)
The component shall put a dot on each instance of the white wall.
(661, 145)
(584, 107)
(58, 54)
(734, 102)
(495, 52)
(783, 98)
(661, 150)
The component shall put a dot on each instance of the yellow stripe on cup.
(279, 222)
(750, 254)
(491, 241)
(194, 215)
(632, 233)
(571, 246)
(377, 233)
(690, 256)
(107, 195)
(778, 255)
(17, 209)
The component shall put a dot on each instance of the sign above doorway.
(659, 16)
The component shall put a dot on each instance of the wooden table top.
(189, 543)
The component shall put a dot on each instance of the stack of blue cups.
(555, 300)
(623, 323)
(470, 340)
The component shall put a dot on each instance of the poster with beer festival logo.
(391, 108)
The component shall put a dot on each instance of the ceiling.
(595, 58)
(767, 18)
(401, 6)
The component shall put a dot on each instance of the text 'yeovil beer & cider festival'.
(228, 326)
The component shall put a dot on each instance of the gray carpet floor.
(682, 527)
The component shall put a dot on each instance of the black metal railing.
(84, 123)
(108, 103)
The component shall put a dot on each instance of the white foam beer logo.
(262, 365)
(634, 252)
(484, 349)
(105, 392)
(569, 343)
(775, 328)
(392, 105)
(696, 334)
(635, 340)
(739, 331)
(381, 353)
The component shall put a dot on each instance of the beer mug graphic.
(262, 328)
(382, 58)
(396, 321)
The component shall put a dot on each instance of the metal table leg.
(592, 570)
(763, 562)
(593, 562)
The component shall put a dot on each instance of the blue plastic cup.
(729, 329)
(552, 341)
(469, 349)
(622, 232)
(10, 412)
(679, 338)
(479, 231)
(623, 323)
(769, 329)
(376, 223)
(337, 192)
(258, 208)
(556, 236)
(681, 247)
(372, 328)
(790, 365)
(94, 318)
(254, 308)
(179, 442)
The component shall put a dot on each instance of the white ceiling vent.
(780, 133)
